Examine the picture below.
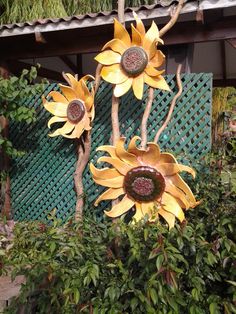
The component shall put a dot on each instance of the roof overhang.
(160, 14)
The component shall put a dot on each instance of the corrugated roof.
(161, 10)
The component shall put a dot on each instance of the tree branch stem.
(173, 102)
(145, 118)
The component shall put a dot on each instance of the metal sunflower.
(74, 106)
(148, 179)
(131, 62)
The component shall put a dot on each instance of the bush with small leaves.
(105, 268)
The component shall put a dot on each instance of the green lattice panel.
(43, 178)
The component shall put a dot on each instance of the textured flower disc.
(134, 60)
(75, 111)
(144, 184)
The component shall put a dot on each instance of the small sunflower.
(132, 62)
(74, 106)
(148, 179)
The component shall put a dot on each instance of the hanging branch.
(97, 78)
(147, 110)
(173, 19)
(179, 84)
(83, 151)
(121, 11)
(145, 118)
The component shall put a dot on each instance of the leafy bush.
(100, 267)
(14, 91)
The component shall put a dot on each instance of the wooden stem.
(173, 19)
(83, 150)
(115, 119)
(121, 11)
(179, 84)
(97, 77)
(145, 118)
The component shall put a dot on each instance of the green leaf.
(214, 309)
(153, 295)
(159, 261)
(76, 295)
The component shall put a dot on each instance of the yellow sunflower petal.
(56, 108)
(87, 125)
(89, 102)
(151, 71)
(110, 194)
(138, 212)
(152, 154)
(68, 92)
(170, 204)
(88, 77)
(177, 193)
(108, 57)
(122, 167)
(156, 82)
(111, 150)
(121, 208)
(152, 50)
(139, 24)
(151, 35)
(169, 218)
(92, 112)
(105, 173)
(137, 85)
(168, 169)
(147, 209)
(79, 129)
(58, 97)
(121, 33)
(116, 182)
(67, 128)
(83, 93)
(71, 79)
(116, 45)
(121, 89)
(158, 59)
(113, 74)
(136, 37)
(167, 158)
(124, 155)
(181, 184)
(132, 147)
(54, 120)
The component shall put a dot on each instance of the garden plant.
(169, 246)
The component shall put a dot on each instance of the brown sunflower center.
(75, 111)
(144, 184)
(134, 60)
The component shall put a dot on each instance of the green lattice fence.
(42, 179)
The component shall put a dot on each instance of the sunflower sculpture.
(148, 179)
(74, 106)
(131, 62)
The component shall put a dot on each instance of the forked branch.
(179, 84)
(83, 150)
(173, 19)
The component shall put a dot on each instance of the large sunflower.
(132, 62)
(148, 179)
(74, 106)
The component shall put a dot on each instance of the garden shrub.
(101, 267)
